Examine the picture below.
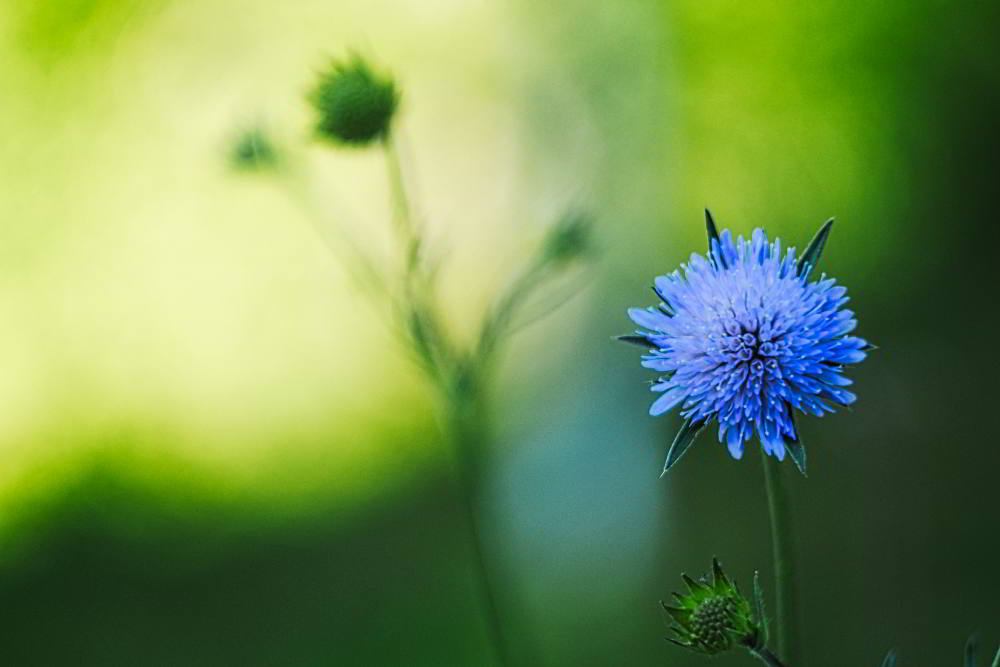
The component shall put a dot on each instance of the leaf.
(971, 649)
(713, 235)
(684, 439)
(640, 341)
(890, 659)
(798, 453)
(996, 659)
(758, 603)
(810, 258)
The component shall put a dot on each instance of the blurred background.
(212, 452)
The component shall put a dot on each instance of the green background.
(213, 453)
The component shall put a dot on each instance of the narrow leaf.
(684, 439)
(996, 659)
(971, 649)
(890, 659)
(758, 601)
(640, 341)
(810, 258)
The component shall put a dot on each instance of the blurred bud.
(355, 105)
(712, 617)
(253, 151)
(569, 239)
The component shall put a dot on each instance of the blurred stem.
(498, 320)
(782, 547)
(468, 423)
(334, 236)
(402, 209)
(764, 655)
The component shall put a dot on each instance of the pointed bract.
(713, 240)
(681, 616)
(798, 453)
(695, 586)
(810, 258)
(719, 577)
(971, 649)
(684, 439)
(640, 341)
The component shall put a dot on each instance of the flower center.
(710, 622)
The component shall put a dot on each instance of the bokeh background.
(213, 453)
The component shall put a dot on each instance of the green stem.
(782, 546)
(402, 213)
(764, 655)
(469, 433)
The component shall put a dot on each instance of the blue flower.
(744, 339)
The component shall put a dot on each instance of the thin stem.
(469, 433)
(782, 546)
(764, 655)
(341, 244)
(461, 382)
(402, 209)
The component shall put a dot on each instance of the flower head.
(713, 616)
(354, 104)
(744, 339)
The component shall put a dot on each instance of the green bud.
(568, 239)
(253, 151)
(713, 617)
(354, 105)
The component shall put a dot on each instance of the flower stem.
(402, 213)
(764, 655)
(469, 433)
(782, 546)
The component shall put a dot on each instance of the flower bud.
(568, 239)
(354, 105)
(253, 151)
(712, 617)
